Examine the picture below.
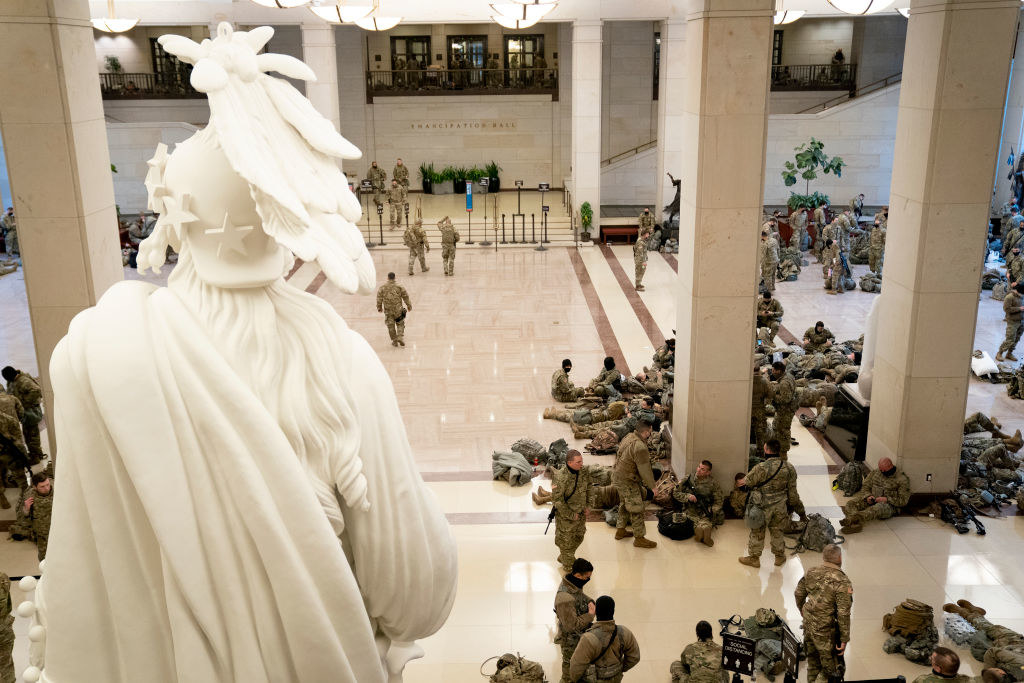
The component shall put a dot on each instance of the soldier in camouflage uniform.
(786, 401)
(378, 177)
(10, 227)
(640, 254)
(702, 500)
(13, 453)
(6, 631)
(610, 647)
(1015, 266)
(820, 221)
(769, 312)
(832, 267)
(634, 479)
(665, 356)
(574, 611)
(570, 493)
(1012, 309)
(773, 480)
(824, 597)
(583, 416)
(1013, 237)
(881, 496)
(449, 237)
(39, 507)
(397, 196)
(768, 259)
(701, 662)
(390, 297)
(877, 248)
(980, 422)
(857, 205)
(760, 396)
(604, 384)
(818, 339)
(415, 238)
(26, 389)
(562, 388)
(400, 173)
(945, 667)
(1007, 649)
(798, 222)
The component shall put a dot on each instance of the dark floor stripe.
(671, 260)
(604, 328)
(317, 283)
(654, 333)
(298, 264)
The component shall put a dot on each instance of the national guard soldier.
(6, 631)
(26, 389)
(820, 221)
(610, 648)
(761, 395)
(640, 254)
(798, 222)
(604, 384)
(818, 339)
(1006, 646)
(946, 668)
(665, 356)
(574, 611)
(396, 201)
(876, 247)
(832, 267)
(772, 486)
(702, 500)
(415, 238)
(390, 297)
(378, 178)
(824, 597)
(1012, 309)
(400, 173)
(39, 507)
(769, 312)
(14, 458)
(570, 493)
(786, 402)
(449, 237)
(646, 221)
(857, 205)
(10, 228)
(881, 496)
(768, 257)
(634, 480)
(701, 662)
(562, 388)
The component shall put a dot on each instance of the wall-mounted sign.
(468, 125)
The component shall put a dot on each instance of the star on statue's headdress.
(281, 146)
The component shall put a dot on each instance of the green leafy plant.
(475, 174)
(586, 217)
(113, 64)
(810, 159)
(461, 173)
(806, 201)
(427, 172)
(492, 169)
(446, 173)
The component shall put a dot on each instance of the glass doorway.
(522, 55)
(467, 57)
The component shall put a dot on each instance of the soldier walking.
(824, 597)
(772, 485)
(415, 238)
(570, 493)
(396, 203)
(26, 389)
(610, 648)
(390, 297)
(634, 480)
(449, 237)
(378, 178)
(574, 611)
(640, 253)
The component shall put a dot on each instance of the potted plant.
(443, 180)
(810, 157)
(113, 64)
(427, 174)
(586, 220)
(475, 174)
(493, 182)
(459, 179)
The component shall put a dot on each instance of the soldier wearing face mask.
(562, 388)
(574, 611)
(883, 493)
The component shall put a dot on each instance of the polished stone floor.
(475, 377)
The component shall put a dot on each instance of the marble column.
(951, 103)
(319, 52)
(55, 135)
(1013, 123)
(586, 117)
(724, 122)
(671, 103)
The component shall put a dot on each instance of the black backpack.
(675, 530)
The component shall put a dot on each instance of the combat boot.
(956, 609)
(967, 605)
(999, 356)
(401, 342)
(536, 499)
(852, 528)
(639, 287)
(1014, 443)
(549, 413)
(1010, 356)
(622, 533)
(707, 540)
(780, 560)
(751, 561)
(543, 492)
(644, 543)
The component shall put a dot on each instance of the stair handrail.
(859, 92)
(629, 152)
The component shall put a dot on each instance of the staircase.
(859, 92)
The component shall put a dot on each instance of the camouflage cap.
(765, 616)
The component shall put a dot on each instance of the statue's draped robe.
(187, 542)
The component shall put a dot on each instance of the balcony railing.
(138, 86)
(462, 82)
(814, 77)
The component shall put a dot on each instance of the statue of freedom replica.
(238, 500)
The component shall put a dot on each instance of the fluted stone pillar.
(951, 104)
(671, 102)
(319, 52)
(724, 122)
(55, 140)
(586, 116)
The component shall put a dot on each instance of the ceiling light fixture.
(281, 4)
(517, 15)
(788, 16)
(342, 12)
(904, 12)
(111, 24)
(861, 7)
(372, 22)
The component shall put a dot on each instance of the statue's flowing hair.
(287, 340)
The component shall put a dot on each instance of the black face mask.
(567, 369)
(576, 581)
(572, 469)
(889, 472)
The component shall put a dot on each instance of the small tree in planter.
(443, 180)
(113, 64)
(427, 174)
(475, 174)
(810, 157)
(461, 174)
(494, 182)
(586, 220)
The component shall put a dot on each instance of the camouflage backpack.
(850, 479)
(818, 534)
(409, 239)
(514, 668)
(910, 618)
(604, 441)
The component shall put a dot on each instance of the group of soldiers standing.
(396, 195)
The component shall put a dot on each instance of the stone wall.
(631, 181)
(814, 41)
(629, 110)
(131, 146)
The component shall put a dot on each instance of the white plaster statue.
(237, 497)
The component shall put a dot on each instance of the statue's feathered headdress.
(283, 148)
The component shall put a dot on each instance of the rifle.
(703, 501)
(950, 517)
(551, 518)
(971, 515)
(840, 672)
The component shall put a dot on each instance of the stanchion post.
(503, 229)
(380, 223)
(533, 229)
(545, 216)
